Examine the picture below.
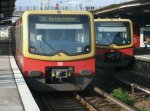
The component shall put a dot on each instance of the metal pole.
(43, 6)
(132, 85)
(146, 90)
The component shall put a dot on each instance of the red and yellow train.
(114, 42)
(55, 49)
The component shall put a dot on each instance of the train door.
(145, 37)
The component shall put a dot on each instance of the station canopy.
(6, 10)
(136, 9)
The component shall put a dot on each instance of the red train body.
(55, 49)
(113, 57)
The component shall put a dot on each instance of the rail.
(120, 103)
(85, 102)
(134, 85)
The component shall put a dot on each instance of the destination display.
(58, 19)
(113, 24)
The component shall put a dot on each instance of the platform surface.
(14, 93)
(9, 96)
(142, 54)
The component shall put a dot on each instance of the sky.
(52, 3)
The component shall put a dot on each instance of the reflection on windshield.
(53, 38)
(107, 35)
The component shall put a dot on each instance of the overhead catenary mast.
(43, 4)
(89, 2)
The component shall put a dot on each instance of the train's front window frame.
(72, 34)
(112, 32)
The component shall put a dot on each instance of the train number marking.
(112, 50)
(60, 64)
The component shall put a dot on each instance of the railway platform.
(142, 54)
(14, 93)
(142, 62)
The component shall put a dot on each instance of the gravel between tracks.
(142, 101)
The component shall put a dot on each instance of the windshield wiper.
(52, 48)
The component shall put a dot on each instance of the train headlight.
(53, 74)
(69, 74)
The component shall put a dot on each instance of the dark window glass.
(108, 33)
(52, 34)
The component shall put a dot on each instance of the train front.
(58, 50)
(114, 42)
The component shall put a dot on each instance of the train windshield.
(108, 33)
(54, 34)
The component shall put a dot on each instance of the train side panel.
(18, 40)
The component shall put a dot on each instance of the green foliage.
(121, 95)
(142, 110)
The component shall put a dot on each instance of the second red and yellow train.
(114, 42)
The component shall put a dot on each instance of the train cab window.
(108, 33)
(52, 34)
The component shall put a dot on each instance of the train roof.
(56, 12)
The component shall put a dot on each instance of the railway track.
(104, 101)
(141, 99)
(131, 77)
(135, 86)
(140, 94)
(87, 100)
(92, 99)
(63, 101)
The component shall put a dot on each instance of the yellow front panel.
(62, 56)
